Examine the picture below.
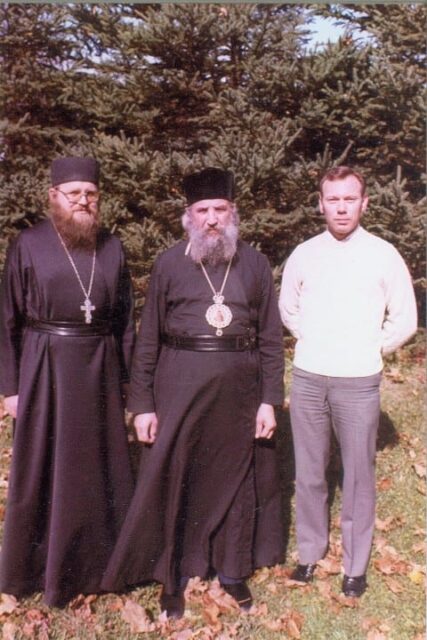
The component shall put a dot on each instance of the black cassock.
(208, 495)
(70, 481)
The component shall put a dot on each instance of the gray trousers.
(351, 406)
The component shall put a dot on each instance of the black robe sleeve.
(147, 347)
(123, 321)
(12, 320)
(270, 340)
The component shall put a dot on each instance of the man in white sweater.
(347, 297)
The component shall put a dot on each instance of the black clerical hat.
(209, 184)
(73, 168)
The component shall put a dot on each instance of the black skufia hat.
(209, 184)
(74, 168)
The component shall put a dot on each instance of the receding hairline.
(340, 173)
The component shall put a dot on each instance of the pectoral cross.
(87, 307)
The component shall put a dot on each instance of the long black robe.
(70, 480)
(208, 496)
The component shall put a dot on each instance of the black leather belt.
(210, 343)
(72, 329)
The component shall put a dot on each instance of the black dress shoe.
(173, 604)
(354, 587)
(303, 573)
(240, 592)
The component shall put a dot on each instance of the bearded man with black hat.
(206, 374)
(66, 336)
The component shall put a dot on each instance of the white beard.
(212, 249)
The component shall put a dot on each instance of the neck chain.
(218, 314)
(87, 307)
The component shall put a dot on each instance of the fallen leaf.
(368, 623)
(421, 488)
(419, 547)
(329, 566)
(324, 588)
(185, 634)
(293, 629)
(389, 523)
(384, 484)
(374, 634)
(259, 610)
(390, 564)
(136, 617)
(222, 599)
(115, 605)
(9, 630)
(290, 622)
(393, 585)
(211, 613)
(261, 576)
(420, 470)
(7, 604)
(345, 601)
(417, 577)
(394, 375)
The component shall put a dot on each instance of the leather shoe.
(173, 604)
(303, 573)
(354, 587)
(240, 592)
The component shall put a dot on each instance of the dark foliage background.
(154, 91)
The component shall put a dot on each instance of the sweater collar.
(349, 240)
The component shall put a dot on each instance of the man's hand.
(11, 405)
(146, 427)
(265, 422)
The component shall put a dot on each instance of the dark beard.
(76, 235)
(213, 250)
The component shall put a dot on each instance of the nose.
(85, 196)
(212, 218)
(342, 207)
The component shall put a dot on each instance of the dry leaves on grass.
(335, 601)
(8, 604)
(390, 562)
(36, 625)
(376, 629)
(392, 522)
(384, 484)
(394, 374)
(9, 631)
(290, 623)
(417, 575)
(136, 617)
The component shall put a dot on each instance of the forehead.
(216, 203)
(77, 185)
(345, 186)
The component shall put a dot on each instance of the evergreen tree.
(155, 91)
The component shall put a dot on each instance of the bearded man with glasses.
(66, 336)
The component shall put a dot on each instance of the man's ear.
(365, 203)
(320, 203)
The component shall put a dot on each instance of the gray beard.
(213, 250)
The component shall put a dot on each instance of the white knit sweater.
(347, 302)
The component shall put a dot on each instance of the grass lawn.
(393, 608)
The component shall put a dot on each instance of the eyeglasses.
(75, 196)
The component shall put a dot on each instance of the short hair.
(340, 173)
